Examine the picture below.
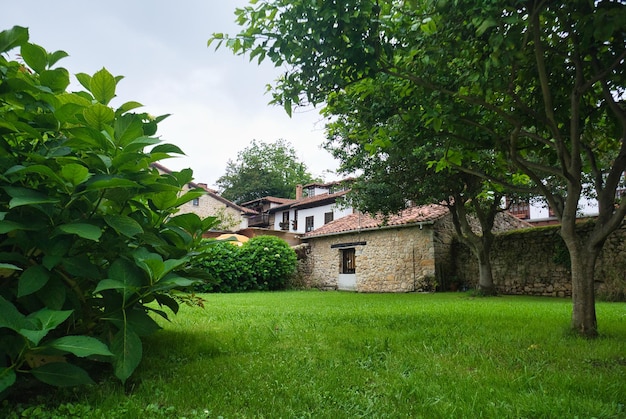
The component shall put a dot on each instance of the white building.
(316, 204)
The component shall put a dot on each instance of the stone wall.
(536, 262)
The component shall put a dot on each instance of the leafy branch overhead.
(91, 242)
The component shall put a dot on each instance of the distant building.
(316, 204)
(232, 216)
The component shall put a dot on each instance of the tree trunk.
(485, 280)
(583, 261)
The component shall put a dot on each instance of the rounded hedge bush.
(271, 260)
(222, 262)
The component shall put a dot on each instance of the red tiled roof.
(359, 221)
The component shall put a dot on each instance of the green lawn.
(347, 355)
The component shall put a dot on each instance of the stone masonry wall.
(392, 260)
(536, 262)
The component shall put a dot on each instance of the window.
(285, 224)
(295, 219)
(308, 224)
(196, 202)
(348, 261)
(328, 217)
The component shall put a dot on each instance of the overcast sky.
(217, 101)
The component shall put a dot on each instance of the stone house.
(411, 251)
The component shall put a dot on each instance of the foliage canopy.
(264, 169)
(542, 81)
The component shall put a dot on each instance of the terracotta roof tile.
(361, 221)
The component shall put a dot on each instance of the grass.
(347, 355)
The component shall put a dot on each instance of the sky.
(217, 101)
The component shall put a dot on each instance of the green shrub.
(222, 262)
(262, 263)
(90, 243)
(271, 259)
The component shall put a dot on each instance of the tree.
(264, 169)
(90, 243)
(369, 135)
(551, 73)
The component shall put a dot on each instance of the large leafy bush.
(90, 243)
(262, 263)
(222, 262)
(271, 259)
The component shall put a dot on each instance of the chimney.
(202, 185)
(298, 192)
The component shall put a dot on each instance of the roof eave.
(365, 229)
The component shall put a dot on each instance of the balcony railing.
(260, 220)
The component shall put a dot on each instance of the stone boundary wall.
(536, 262)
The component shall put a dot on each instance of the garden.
(335, 354)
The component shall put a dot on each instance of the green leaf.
(56, 79)
(98, 115)
(127, 352)
(7, 378)
(155, 268)
(164, 200)
(23, 196)
(86, 231)
(125, 272)
(112, 284)
(43, 321)
(136, 320)
(139, 143)
(39, 169)
(62, 374)
(112, 182)
(7, 226)
(123, 225)
(35, 56)
(189, 196)
(128, 106)
(486, 24)
(53, 294)
(75, 173)
(102, 86)
(9, 266)
(166, 300)
(189, 222)
(127, 128)
(55, 56)
(32, 280)
(81, 346)
(288, 106)
(174, 281)
(10, 317)
(68, 112)
(13, 37)
(168, 149)
(84, 79)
